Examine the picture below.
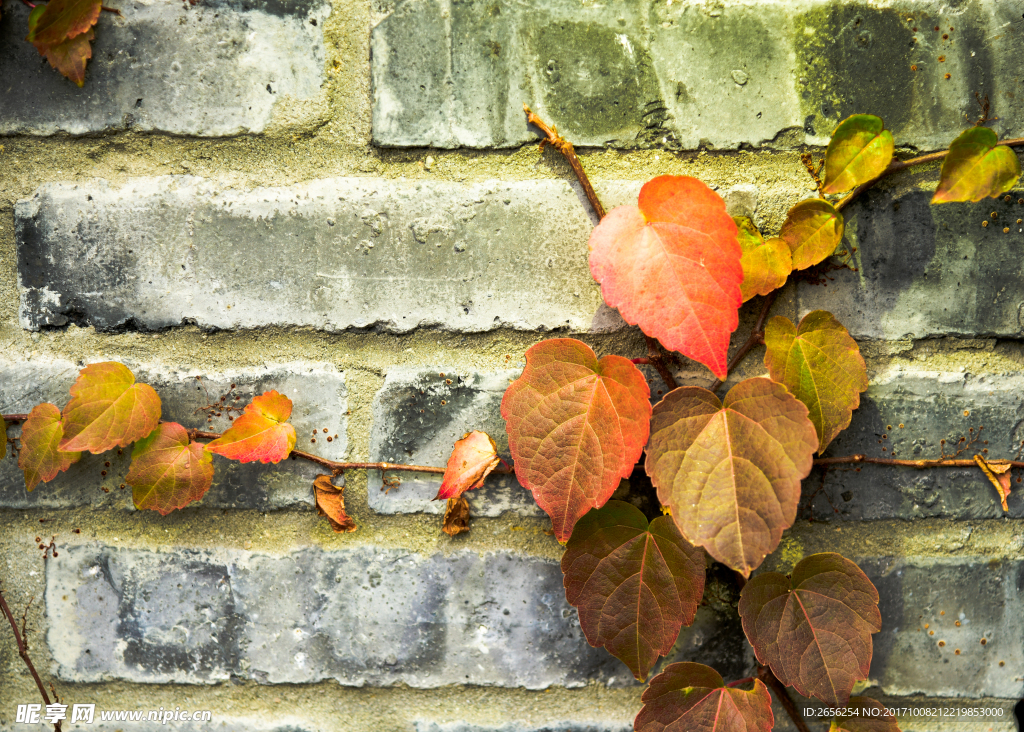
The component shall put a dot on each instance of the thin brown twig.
(551, 137)
(23, 652)
(756, 337)
(657, 360)
(782, 694)
(919, 464)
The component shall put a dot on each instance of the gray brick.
(723, 74)
(333, 254)
(411, 425)
(926, 271)
(209, 69)
(359, 616)
(317, 391)
(931, 407)
(219, 722)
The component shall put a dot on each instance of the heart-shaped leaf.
(976, 167)
(814, 627)
(63, 19)
(860, 149)
(108, 409)
(672, 266)
(821, 366)
(168, 470)
(864, 714)
(576, 426)
(261, 433)
(68, 57)
(813, 228)
(471, 461)
(731, 472)
(691, 697)
(40, 457)
(330, 502)
(766, 264)
(635, 585)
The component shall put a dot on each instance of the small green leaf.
(976, 167)
(108, 409)
(860, 149)
(813, 228)
(766, 264)
(40, 458)
(168, 471)
(820, 364)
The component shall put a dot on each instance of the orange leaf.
(330, 502)
(692, 697)
(472, 460)
(40, 457)
(69, 57)
(108, 409)
(261, 433)
(576, 426)
(168, 470)
(456, 516)
(998, 473)
(61, 20)
(672, 266)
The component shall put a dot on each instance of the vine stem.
(782, 694)
(551, 137)
(23, 652)
(756, 336)
(919, 464)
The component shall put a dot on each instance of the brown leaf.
(998, 473)
(472, 460)
(330, 502)
(456, 516)
(69, 57)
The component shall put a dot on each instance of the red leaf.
(472, 460)
(63, 19)
(672, 266)
(635, 585)
(456, 516)
(813, 628)
(108, 409)
(330, 502)
(261, 433)
(731, 472)
(576, 426)
(40, 457)
(691, 697)
(868, 715)
(169, 471)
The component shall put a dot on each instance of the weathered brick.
(360, 616)
(924, 271)
(332, 254)
(905, 414)
(218, 721)
(422, 726)
(722, 74)
(317, 391)
(209, 69)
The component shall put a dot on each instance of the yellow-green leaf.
(40, 458)
(813, 228)
(766, 264)
(168, 470)
(108, 409)
(975, 167)
(860, 149)
(820, 364)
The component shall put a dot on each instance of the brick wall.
(338, 201)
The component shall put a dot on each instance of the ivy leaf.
(730, 472)
(40, 457)
(820, 364)
(330, 502)
(860, 149)
(261, 433)
(692, 697)
(869, 716)
(168, 470)
(975, 167)
(471, 461)
(814, 627)
(576, 426)
(635, 585)
(672, 266)
(61, 20)
(108, 409)
(813, 228)
(69, 57)
(766, 264)
(456, 516)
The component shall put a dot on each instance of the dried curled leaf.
(672, 266)
(168, 470)
(635, 585)
(821, 366)
(730, 472)
(691, 697)
(456, 516)
(766, 264)
(108, 409)
(976, 167)
(472, 460)
(998, 474)
(868, 715)
(576, 426)
(860, 149)
(330, 502)
(812, 229)
(40, 456)
(813, 628)
(261, 434)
